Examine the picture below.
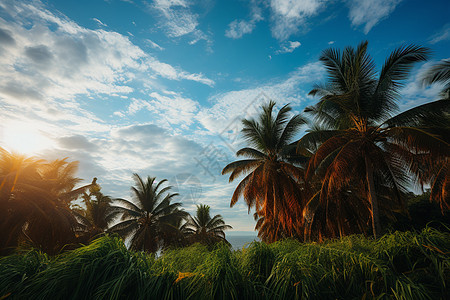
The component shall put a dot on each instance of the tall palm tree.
(18, 191)
(34, 202)
(149, 218)
(364, 144)
(271, 184)
(204, 229)
(97, 215)
(437, 173)
(54, 225)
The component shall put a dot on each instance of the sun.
(24, 139)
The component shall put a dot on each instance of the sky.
(159, 88)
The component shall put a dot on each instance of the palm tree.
(271, 184)
(204, 229)
(18, 177)
(53, 225)
(437, 173)
(35, 202)
(98, 214)
(363, 144)
(149, 218)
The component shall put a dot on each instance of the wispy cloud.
(289, 47)
(154, 45)
(230, 105)
(238, 28)
(168, 71)
(99, 22)
(370, 12)
(178, 20)
(441, 35)
(170, 108)
(288, 16)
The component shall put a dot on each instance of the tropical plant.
(35, 200)
(54, 225)
(362, 144)
(271, 184)
(437, 173)
(98, 213)
(401, 265)
(18, 177)
(149, 219)
(203, 229)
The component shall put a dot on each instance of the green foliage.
(201, 228)
(185, 259)
(401, 265)
(422, 213)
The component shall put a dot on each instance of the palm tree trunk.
(372, 198)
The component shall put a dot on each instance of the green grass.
(401, 265)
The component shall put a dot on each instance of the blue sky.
(158, 87)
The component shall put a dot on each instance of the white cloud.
(370, 12)
(414, 93)
(289, 47)
(154, 45)
(237, 104)
(238, 28)
(441, 35)
(99, 22)
(145, 148)
(173, 109)
(331, 42)
(47, 56)
(289, 15)
(178, 20)
(170, 72)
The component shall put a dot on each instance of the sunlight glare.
(24, 139)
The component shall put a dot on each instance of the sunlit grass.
(403, 265)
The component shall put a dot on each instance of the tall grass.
(407, 265)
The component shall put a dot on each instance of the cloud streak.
(441, 35)
(369, 13)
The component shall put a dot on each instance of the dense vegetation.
(355, 164)
(396, 266)
(38, 208)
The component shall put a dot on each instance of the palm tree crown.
(204, 229)
(149, 217)
(271, 183)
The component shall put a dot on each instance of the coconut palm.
(149, 218)
(364, 144)
(18, 177)
(437, 173)
(204, 229)
(53, 225)
(35, 201)
(98, 214)
(271, 184)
